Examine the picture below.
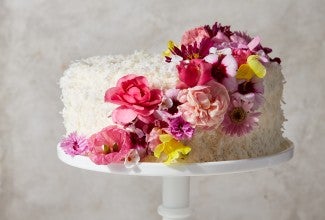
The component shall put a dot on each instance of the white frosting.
(84, 84)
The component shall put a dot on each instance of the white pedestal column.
(175, 198)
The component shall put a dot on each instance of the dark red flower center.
(219, 72)
(246, 87)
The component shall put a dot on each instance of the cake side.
(84, 84)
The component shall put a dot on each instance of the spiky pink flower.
(240, 119)
(74, 144)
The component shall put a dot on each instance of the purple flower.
(180, 129)
(252, 91)
(74, 144)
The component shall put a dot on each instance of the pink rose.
(194, 35)
(204, 106)
(136, 99)
(110, 145)
(193, 72)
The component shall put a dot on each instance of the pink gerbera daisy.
(240, 119)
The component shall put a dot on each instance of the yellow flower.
(171, 45)
(170, 147)
(253, 67)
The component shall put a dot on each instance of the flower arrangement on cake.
(220, 86)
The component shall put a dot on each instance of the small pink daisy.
(240, 119)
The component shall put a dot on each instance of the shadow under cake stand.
(176, 178)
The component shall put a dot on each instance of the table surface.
(192, 169)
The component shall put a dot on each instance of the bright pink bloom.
(74, 144)
(240, 119)
(110, 145)
(194, 35)
(135, 97)
(193, 72)
(204, 106)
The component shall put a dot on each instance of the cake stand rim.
(192, 169)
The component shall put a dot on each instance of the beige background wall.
(38, 39)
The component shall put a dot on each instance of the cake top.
(219, 86)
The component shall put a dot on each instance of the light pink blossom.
(110, 145)
(204, 106)
(194, 35)
(153, 138)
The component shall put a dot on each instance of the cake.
(216, 96)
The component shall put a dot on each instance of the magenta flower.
(135, 97)
(74, 144)
(239, 120)
(180, 129)
(191, 51)
(193, 72)
(110, 145)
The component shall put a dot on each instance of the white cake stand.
(176, 178)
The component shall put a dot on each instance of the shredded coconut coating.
(85, 82)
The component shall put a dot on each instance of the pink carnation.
(194, 35)
(204, 106)
(74, 144)
(135, 97)
(110, 145)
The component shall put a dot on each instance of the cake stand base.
(176, 178)
(175, 198)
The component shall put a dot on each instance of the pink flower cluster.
(220, 86)
(209, 59)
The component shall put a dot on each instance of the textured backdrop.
(38, 39)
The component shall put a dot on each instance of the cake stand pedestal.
(176, 178)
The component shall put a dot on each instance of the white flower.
(132, 159)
